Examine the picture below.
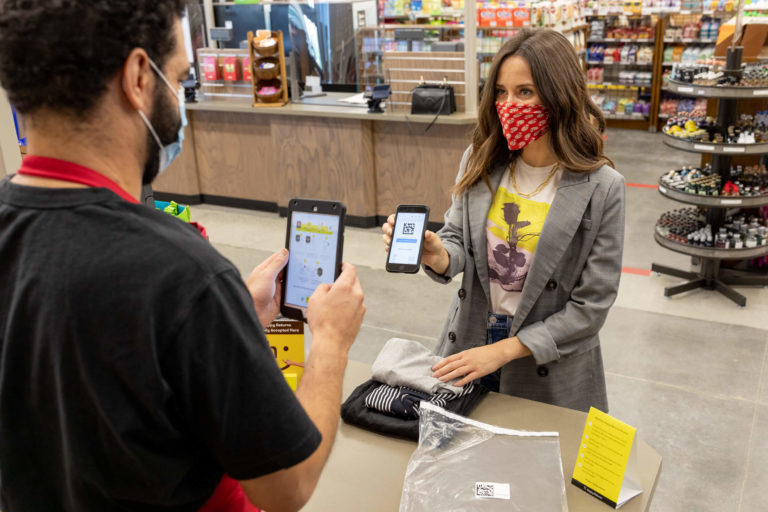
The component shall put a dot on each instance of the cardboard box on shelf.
(752, 37)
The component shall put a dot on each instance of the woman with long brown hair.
(536, 228)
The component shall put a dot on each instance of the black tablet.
(315, 240)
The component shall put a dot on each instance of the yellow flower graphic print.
(513, 229)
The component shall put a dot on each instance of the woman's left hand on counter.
(264, 286)
(478, 362)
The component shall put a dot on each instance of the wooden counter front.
(261, 158)
(413, 167)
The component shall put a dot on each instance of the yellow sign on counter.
(605, 465)
(286, 339)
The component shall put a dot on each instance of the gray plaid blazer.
(570, 287)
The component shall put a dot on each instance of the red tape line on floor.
(636, 271)
(641, 185)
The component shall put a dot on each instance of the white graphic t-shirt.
(513, 229)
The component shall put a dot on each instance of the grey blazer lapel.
(479, 200)
(563, 219)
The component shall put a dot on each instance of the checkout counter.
(240, 156)
(366, 470)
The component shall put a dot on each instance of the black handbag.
(438, 99)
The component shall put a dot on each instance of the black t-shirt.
(133, 368)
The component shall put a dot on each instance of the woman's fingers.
(457, 373)
(467, 379)
(447, 360)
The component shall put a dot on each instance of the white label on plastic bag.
(492, 490)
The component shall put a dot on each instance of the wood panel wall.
(405, 70)
(417, 168)
(372, 166)
(235, 155)
(325, 159)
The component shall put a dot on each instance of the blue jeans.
(497, 330)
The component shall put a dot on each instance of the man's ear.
(138, 80)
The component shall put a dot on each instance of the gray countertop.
(329, 106)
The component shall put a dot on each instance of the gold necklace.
(539, 188)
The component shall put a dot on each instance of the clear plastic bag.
(465, 465)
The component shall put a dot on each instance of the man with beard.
(134, 371)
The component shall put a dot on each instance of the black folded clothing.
(354, 411)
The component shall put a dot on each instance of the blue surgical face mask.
(168, 153)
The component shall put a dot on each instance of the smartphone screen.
(407, 240)
(313, 242)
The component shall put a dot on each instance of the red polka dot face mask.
(521, 123)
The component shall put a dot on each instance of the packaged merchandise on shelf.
(406, 8)
(752, 75)
(211, 69)
(621, 104)
(632, 7)
(676, 225)
(245, 65)
(231, 65)
(645, 55)
(741, 181)
(695, 181)
(747, 130)
(597, 29)
(688, 226)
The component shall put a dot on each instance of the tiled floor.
(690, 372)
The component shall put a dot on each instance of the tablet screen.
(313, 243)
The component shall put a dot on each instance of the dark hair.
(60, 54)
(576, 124)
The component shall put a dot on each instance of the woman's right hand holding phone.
(433, 255)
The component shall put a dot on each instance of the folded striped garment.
(403, 402)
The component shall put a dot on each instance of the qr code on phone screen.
(409, 228)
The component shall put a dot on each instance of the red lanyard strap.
(52, 168)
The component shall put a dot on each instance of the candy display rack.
(710, 274)
(270, 86)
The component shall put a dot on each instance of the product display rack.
(713, 201)
(277, 79)
(712, 148)
(673, 26)
(609, 88)
(710, 275)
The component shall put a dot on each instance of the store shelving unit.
(610, 86)
(713, 201)
(711, 91)
(710, 275)
(711, 148)
(673, 26)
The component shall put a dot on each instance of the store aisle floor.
(691, 372)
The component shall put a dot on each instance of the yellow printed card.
(286, 339)
(605, 463)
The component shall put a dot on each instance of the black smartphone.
(315, 239)
(408, 238)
